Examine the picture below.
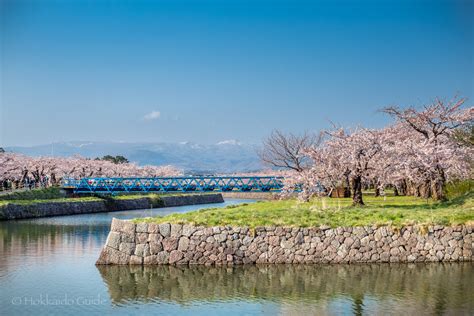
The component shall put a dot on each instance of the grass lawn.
(396, 211)
(35, 194)
(53, 194)
(57, 200)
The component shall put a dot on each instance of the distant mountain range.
(224, 157)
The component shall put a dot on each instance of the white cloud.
(153, 115)
(229, 142)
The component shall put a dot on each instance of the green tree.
(114, 159)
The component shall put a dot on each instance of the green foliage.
(35, 194)
(459, 188)
(114, 159)
(396, 211)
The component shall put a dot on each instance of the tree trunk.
(425, 190)
(437, 186)
(395, 190)
(305, 194)
(24, 175)
(416, 190)
(437, 191)
(410, 188)
(377, 190)
(357, 191)
(376, 187)
(402, 187)
(347, 182)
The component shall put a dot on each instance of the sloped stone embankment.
(150, 244)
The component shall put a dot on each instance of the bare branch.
(286, 151)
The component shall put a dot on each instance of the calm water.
(47, 267)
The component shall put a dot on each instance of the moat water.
(47, 268)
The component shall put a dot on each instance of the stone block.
(112, 256)
(142, 228)
(221, 237)
(170, 243)
(127, 247)
(162, 257)
(153, 228)
(136, 260)
(128, 228)
(176, 230)
(113, 240)
(141, 238)
(156, 238)
(150, 260)
(183, 243)
(188, 230)
(286, 244)
(142, 250)
(165, 229)
(128, 238)
(155, 247)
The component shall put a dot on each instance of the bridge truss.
(174, 184)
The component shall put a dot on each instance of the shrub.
(459, 188)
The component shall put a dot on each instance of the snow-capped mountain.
(224, 157)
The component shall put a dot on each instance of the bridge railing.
(174, 184)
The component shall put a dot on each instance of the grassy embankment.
(393, 210)
(53, 194)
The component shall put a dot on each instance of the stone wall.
(142, 243)
(191, 199)
(45, 209)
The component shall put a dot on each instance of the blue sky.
(206, 71)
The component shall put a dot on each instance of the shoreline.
(13, 211)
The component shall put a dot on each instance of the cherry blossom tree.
(417, 154)
(347, 157)
(411, 161)
(344, 158)
(306, 183)
(16, 168)
(427, 143)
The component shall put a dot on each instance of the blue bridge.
(173, 184)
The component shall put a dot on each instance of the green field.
(54, 194)
(397, 211)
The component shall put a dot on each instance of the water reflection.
(356, 289)
(27, 243)
(55, 257)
